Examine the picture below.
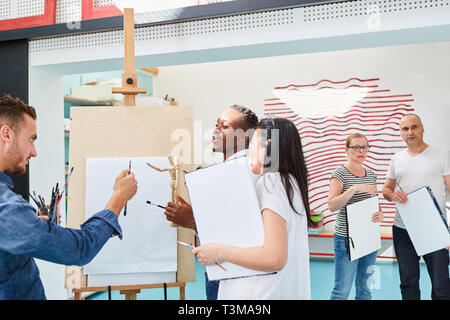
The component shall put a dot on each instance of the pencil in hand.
(192, 247)
(129, 171)
(156, 205)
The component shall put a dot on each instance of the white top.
(414, 172)
(293, 281)
(243, 157)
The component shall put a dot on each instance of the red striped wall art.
(325, 113)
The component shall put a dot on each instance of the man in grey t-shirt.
(417, 166)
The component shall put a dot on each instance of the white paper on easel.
(149, 243)
(226, 211)
(364, 233)
(423, 222)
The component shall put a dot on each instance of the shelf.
(85, 102)
(152, 71)
(330, 234)
(323, 234)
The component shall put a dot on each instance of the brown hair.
(354, 136)
(12, 111)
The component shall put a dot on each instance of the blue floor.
(385, 284)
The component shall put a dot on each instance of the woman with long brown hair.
(276, 154)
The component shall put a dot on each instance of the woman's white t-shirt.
(293, 281)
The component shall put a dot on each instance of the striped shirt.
(348, 179)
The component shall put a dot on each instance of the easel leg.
(183, 292)
(165, 291)
(77, 295)
(130, 294)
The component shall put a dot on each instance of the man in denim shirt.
(23, 234)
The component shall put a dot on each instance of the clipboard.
(226, 210)
(424, 221)
(363, 234)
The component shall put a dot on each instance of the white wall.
(48, 167)
(420, 69)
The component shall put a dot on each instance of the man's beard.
(15, 160)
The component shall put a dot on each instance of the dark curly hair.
(249, 117)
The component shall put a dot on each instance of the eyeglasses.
(359, 148)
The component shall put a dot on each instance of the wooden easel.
(131, 291)
(129, 78)
(129, 89)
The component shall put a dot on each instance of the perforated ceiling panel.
(12, 9)
(68, 11)
(103, 3)
(5, 9)
(225, 24)
(261, 20)
(277, 26)
(78, 41)
(364, 8)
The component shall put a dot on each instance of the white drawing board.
(364, 234)
(422, 220)
(226, 211)
(149, 243)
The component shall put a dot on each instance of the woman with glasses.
(351, 183)
(276, 154)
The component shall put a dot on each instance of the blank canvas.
(149, 243)
(364, 233)
(423, 222)
(226, 211)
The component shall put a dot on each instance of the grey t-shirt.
(414, 172)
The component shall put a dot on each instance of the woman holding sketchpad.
(349, 184)
(282, 191)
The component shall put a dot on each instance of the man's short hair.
(411, 114)
(249, 117)
(12, 112)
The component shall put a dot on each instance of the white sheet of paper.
(149, 243)
(226, 211)
(364, 233)
(423, 222)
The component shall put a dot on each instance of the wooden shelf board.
(85, 102)
(330, 234)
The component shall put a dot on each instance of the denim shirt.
(24, 236)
